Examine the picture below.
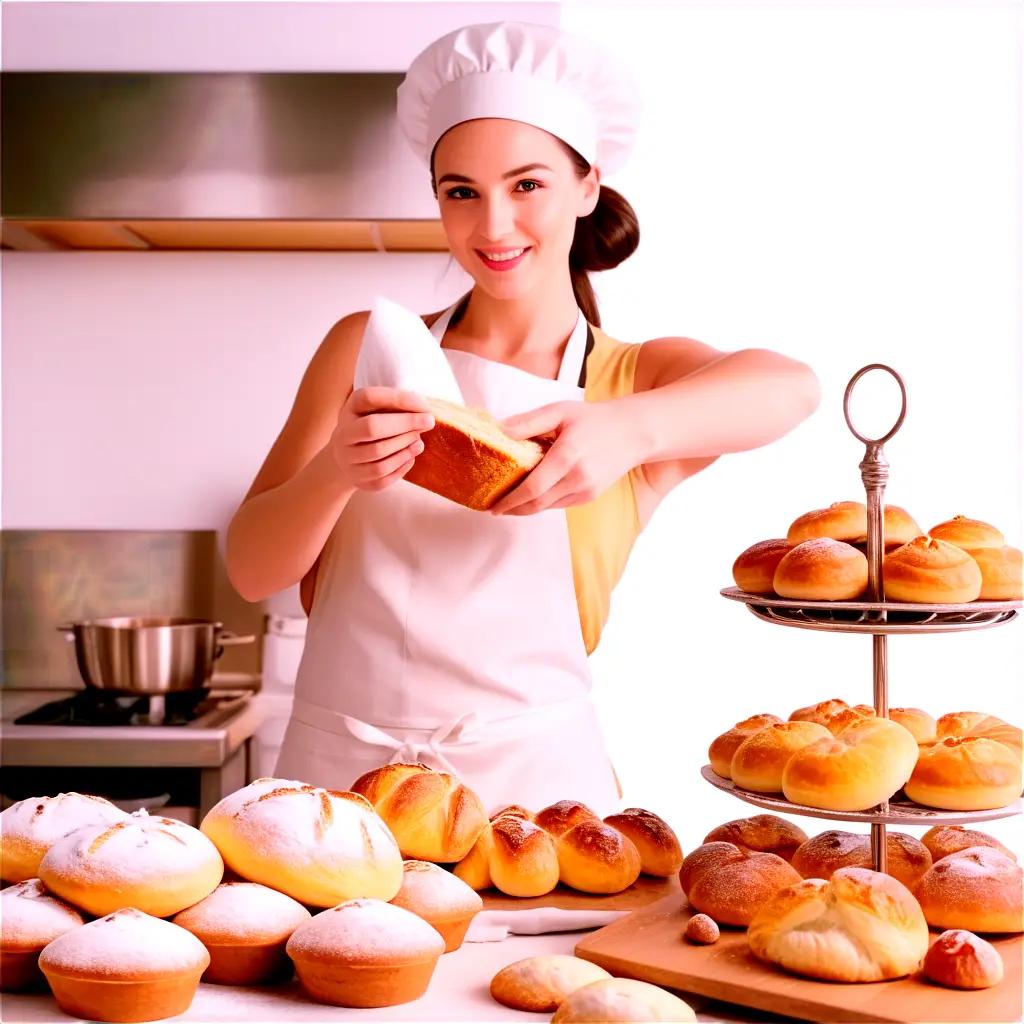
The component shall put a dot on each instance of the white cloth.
(497, 925)
(538, 74)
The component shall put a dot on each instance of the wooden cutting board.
(648, 945)
(644, 891)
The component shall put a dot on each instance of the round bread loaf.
(819, 712)
(858, 926)
(754, 569)
(1001, 573)
(440, 898)
(621, 999)
(907, 859)
(594, 857)
(837, 722)
(558, 818)
(960, 959)
(541, 983)
(842, 520)
(30, 919)
(930, 571)
(978, 889)
(969, 534)
(319, 846)
(658, 846)
(761, 833)
(30, 827)
(942, 840)
(966, 774)
(976, 723)
(759, 761)
(919, 723)
(860, 767)
(723, 747)
(432, 814)
(822, 570)
(513, 811)
(156, 865)
(513, 855)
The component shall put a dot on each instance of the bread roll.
(441, 899)
(761, 833)
(848, 521)
(729, 884)
(977, 724)
(822, 570)
(1001, 573)
(759, 761)
(858, 926)
(469, 459)
(319, 846)
(969, 534)
(513, 855)
(930, 571)
(966, 774)
(959, 959)
(754, 569)
(702, 930)
(837, 722)
(658, 846)
(621, 999)
(594, 857)
(978, 889)
(564, 815)
(860, 767)
(30, 827)
(513, 811)
(920, 724)
(156, 865)
(541, 983)
(432, 814)
(942, 840)
(819, 712)
(723, 747)
(30, 919)
(907, 859)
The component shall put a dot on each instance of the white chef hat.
(538, 74)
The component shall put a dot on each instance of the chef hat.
(537, 74)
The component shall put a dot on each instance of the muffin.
(30, 918)
(441, 899)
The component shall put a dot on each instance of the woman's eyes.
(462, 192)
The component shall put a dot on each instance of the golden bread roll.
(513, 811)
(760, 760)
(513, 855)
(960, 959)
(978, 889)
(842, 520)
(919, 723)
(819, 712)
(156, 865)
(969, 534)
(858, 926)
(1001, 572)
(723, 747)
(432, 815)
(126, 966)
(838, 721)
(564, 815)
(621, 999)
(761, 833)
(30, 827)
(966, 774)
(858, 768)
(822, 570)
(942, 840)
(469, 459)
(442, 899)
(729, 883)
(702, 930)
(754, 569)
(907, 859)
(30, 919)
(930, 571)
(962, 724)
(319, 846)
(594, 857)
(658, 846)
(541, 983)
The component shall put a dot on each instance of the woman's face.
(508, 189)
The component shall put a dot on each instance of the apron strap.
(411, 751)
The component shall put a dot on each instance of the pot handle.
(225, 638)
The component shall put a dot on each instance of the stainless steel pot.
(150, 654)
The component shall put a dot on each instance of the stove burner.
(103, 707)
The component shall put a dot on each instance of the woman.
(460, 638)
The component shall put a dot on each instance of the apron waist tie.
(409, 751)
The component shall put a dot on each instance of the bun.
(558, 818)
(959, 959)
(658, 846)
(621, 999)
(906, 858)
(919, 723)
(969, 534)
(860, 767)
(759, 762)
(819, 712)
(514, 855)
(441, 899)
(1001, 573)
(30, 919)
(469, 459)
(858, 926)
(126, 966)
(513, 811)
(432, 814)
(966, 774)
(754, 569)
(722, 749)
(822, 570)
(155, 865)
(541, 983)
(365, 953)
(762, 833)
(729, 884)
(942, 840)
(836, 723)
(930, 571)
(320, 846)
(978, 889)
(30, 827)
(963, 724)
(594, 857)
(848, 521)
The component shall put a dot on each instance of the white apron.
(452, 637)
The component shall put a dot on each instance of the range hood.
(140, 161)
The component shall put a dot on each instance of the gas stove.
(189, 708)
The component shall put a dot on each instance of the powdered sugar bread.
(979, 889)
(157, 865)
(621, 999)
(319, 846)
(30, 918)
(441, 899)
(542, 983)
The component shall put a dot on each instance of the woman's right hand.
(377, 437)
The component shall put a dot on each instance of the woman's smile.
(503, 259)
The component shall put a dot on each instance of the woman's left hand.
(593, 446)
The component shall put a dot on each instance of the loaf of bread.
(963, 724)
(920, 724)
(966, 774)
(822, 570)
(942, 840)
(441, 899)
(930, 571)
(559, 817)
(960, 959)
(469, 459)
(318, 846)
(432, 814)
(978, 889)
(969, 534)
(30, 919)
(540, 984)
(658, 846)
(723, 747)
(513, 855)
(1002, 570)
(754, 569)
(907, 859)
(594, 857)
(759, 761)
(621, 999)
(858, 926)
(761, 833)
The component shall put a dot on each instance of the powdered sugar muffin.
(441, 899)
(30, 918)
